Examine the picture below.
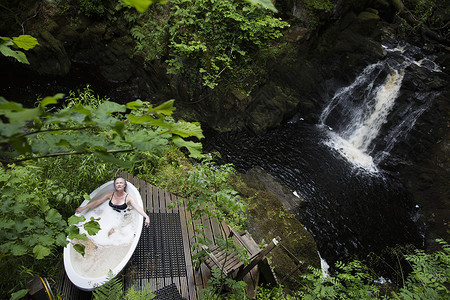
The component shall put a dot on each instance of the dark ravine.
(300, 84)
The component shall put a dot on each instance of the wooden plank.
(205, 272)
(197, 279)
(168, 201)
(153, 284)
(151, 205)
(162, 201)
(187, 289)
(250, 243)
(156, 208)
(143, 191)
(216, 230)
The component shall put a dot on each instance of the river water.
(353, 206)
(348, 210)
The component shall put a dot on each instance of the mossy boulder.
(269, 216)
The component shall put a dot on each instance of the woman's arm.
(94, 203)
(139, 210)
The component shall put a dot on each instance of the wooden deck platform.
(157, 201)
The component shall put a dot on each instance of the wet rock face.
(49, 57)
(270, 207)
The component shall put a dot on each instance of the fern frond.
(137, 34)
(145, 294)
(111, 290)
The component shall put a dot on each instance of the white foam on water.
(105, 250)
(324, 266)
(98, 260)
(353, 155)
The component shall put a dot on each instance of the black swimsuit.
(118, 208)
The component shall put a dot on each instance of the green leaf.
(109, 107)
(6, 224)
(87, 197)
(50, 100)
(265, 3)
(79, 248)
(166, 108)
(195, 149)
(40, 251)
(46, 240)
(10, 129)
(18, 249)
(19, 294)
(61, 240)
(92, 227)
(76, 219)
(142, 5)
(9, 105)
(30, 241)
(24, 115)
(19, 55)
(74, 233)
(135, 104)
(26, 42)
(187, 129)
(53, 216)
(141, 119)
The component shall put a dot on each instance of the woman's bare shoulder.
(129, 198)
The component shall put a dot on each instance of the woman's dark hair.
(123, 180)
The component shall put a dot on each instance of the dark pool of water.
(349, 212)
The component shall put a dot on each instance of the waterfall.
(356, 113)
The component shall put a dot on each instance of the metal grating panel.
(160, 251)
(169, 292)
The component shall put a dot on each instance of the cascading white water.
(362, 132)
(361, 109)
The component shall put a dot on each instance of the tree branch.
(53, 130)
(61, 154)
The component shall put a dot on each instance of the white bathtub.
(111, 248)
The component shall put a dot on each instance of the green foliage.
(82, 129)
(350, 281)
(218, 282)
(274, 293)
(40, 194)
(58, 183)
(430, 276)
(113, 289)
(428, 14)
(92, 8)
(209, 193)
(319, 5)
(31, 228)
(429, 279)
(205, 40)
(92, 227)
(142, 5)
(145, 294)
(151, 33)
(208, 38)
(206, 186)
(25, 42)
